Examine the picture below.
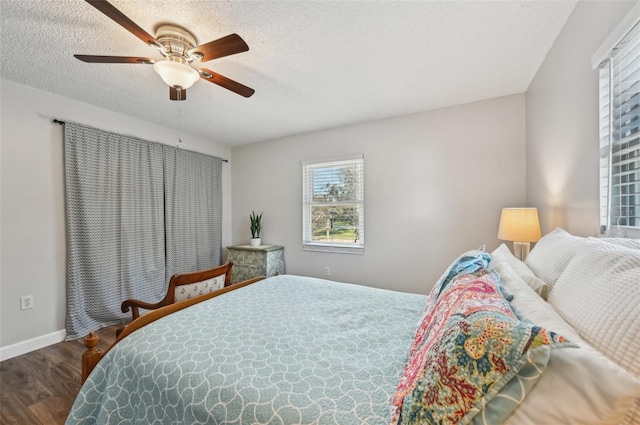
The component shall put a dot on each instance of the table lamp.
(521, 226)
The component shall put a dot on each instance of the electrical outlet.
(26, 302)
(327, 271)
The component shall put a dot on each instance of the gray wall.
(562, 122)
(32, 242)
(435, 184)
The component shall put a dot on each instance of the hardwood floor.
(39, 388)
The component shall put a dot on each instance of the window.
(333, 205)
(620, 136)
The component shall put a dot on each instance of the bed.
(483, 347)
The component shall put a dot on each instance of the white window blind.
(333, 205)
(620, 136)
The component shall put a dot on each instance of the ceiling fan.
(178, 46)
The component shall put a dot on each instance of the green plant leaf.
(256, 224)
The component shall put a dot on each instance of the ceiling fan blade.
(175, 94)
(225, 46)
(114, 59)
(222, 81)
(120, 18)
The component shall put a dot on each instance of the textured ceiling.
(313, 64)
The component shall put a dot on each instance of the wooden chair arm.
(136, 304)
(177, 280)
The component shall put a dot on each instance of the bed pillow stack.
(594, 299)
(598, 294)
(472, 359)
(580, 385)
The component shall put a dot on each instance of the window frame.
(617, 89)
(308, 244)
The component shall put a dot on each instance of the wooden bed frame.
(92, 355)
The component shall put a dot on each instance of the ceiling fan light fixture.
(176, 72)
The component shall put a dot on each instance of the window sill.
(333, 248)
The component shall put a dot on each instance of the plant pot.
(256, 241)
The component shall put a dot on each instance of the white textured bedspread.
(286, 350)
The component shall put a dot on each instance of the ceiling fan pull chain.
(179, 144)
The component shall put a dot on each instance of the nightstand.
(253, 261)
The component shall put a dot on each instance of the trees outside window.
(333, 205)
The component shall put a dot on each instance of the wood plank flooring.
(39, 388)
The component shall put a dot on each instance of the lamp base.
(521, 250)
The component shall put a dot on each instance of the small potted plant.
(256, 228)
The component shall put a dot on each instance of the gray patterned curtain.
(193, 211)
(137, 212)
(115, 225)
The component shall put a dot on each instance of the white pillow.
(580, 385)
(551, 254)
(599, 295)
(530, 307)
(503, 255)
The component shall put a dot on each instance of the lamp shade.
(176, 73)
(519, 225)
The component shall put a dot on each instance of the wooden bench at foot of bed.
(92, 355)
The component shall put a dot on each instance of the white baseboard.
(32, 344)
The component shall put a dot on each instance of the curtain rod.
(57, 121)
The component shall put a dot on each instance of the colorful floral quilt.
(469, 347)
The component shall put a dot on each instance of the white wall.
(435, 184)
(32, 239)
(562, 122)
